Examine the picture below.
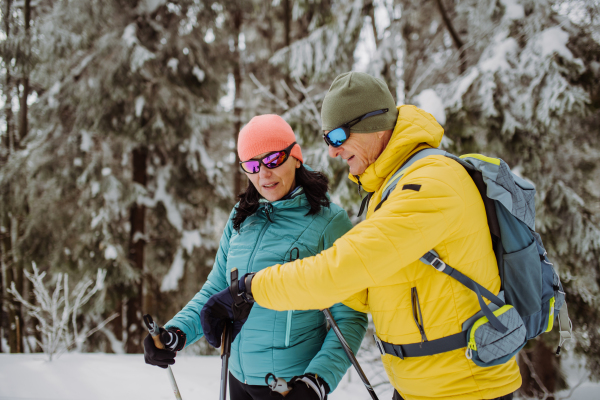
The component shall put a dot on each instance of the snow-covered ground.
(122, 377)
(125, 377)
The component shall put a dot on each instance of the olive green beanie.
(353, 94)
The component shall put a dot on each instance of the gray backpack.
(531, 293)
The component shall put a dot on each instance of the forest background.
(119, 119)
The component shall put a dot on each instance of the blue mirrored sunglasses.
(336, 137)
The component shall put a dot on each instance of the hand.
(173, 340)
(231, 304)
(307, 387)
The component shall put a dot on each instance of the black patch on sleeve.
(416, 188)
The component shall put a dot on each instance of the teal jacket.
(286, 343)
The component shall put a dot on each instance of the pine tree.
(121, 152)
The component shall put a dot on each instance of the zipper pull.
(268, 211)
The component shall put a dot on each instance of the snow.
(139, 105)
(497, 60)
(554, 40)
(171, 279)
(464, 84)
(98, 376)
(149, 6)
(366, 47)
(429, 101)
(129, 36)
(226, 102)
(210, 36)
(173, 63)
(199, 74)
(95, 187)
(513, 10)
(190, 240)
(110, 253)
(86, 141)
(173, 215)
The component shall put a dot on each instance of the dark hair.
(314, 183)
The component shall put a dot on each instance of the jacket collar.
(415, 129)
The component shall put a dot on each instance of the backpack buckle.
(438, 264)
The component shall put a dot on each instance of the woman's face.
(273, 184)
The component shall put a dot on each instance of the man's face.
(359, 151)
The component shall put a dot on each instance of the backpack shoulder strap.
(391, 185)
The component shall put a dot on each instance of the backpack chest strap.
(432, 258)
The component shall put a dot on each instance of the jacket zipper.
(417, 316)
(288, 328)
(260, 236)
(288, 325)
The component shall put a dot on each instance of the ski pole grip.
(154, 331)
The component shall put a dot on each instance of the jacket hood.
(415, 129)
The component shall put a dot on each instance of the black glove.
(307, 387)
(231, 304)
(173, 339)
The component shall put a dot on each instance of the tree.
(129, 90)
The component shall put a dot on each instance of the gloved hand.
(173, 339)
(231, 304)
(307, 387)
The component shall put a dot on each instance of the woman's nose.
(264, 172)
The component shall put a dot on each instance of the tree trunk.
(237, 106)
(287, 21)
(11, 273)
(139, 301)
(8, 114)
(455, 38)
(25, 79)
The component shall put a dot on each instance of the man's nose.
(334, 151)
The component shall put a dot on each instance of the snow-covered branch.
(55, 311)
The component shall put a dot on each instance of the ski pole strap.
(429, 348)
(431, 258)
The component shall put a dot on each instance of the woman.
(284, 214)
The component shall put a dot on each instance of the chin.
(357, 171)
(271, 196)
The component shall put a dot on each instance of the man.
(375, 267)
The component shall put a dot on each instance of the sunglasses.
(271, 160)
(336, 137)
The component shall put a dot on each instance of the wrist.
(174, 339)
(321, 382)
(245, 287)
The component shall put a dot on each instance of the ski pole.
(349, 353)
(155, 333)
(226, 340)
(225, 352)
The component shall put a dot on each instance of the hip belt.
(426, 348)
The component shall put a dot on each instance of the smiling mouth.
(349, 159)
(270, 186)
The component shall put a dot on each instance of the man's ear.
(381, 134)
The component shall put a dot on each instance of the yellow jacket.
(375, 267)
